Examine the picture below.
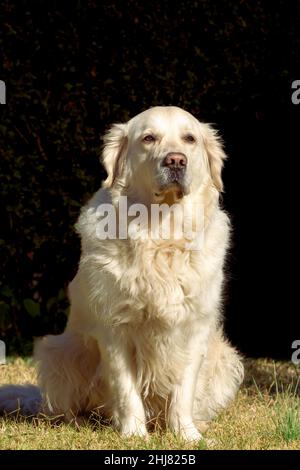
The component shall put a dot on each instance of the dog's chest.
(163, 282)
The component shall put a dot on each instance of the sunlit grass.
(288, 422)
(265, 415)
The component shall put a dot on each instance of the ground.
(265, 415)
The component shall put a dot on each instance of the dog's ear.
(113, 153)
(215, 155)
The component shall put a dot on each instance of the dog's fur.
(144, 338)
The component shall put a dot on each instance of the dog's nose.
(175, 160)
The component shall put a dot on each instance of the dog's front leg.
(180, 415)
(119, 380)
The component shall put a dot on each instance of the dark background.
(72, 68)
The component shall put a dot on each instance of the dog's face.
(165, 150)
(162, 151)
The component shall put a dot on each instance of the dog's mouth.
(172, 193)
(171, 183)
(175, 176)
(171, 177)
(173, 190)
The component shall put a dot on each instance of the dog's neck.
(151, 214)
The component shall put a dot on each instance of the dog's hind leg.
(66, 369)
(219, 379)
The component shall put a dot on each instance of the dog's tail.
(20, 400)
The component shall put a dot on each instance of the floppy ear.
(215, 155)
(115, 143)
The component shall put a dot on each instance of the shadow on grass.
(271, 377)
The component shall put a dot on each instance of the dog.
(144, 339)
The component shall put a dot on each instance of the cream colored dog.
(144, 338)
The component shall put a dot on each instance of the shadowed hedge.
(72, 68)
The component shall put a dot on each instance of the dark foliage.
(72, 68)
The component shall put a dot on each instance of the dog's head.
(162, 151)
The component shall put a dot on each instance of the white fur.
(144, 338)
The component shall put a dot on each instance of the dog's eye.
(189, 138)
(149, 138)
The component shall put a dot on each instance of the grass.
(289, 424)
(265, 415)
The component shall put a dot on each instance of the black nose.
(175, 160)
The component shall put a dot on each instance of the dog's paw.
(190, 434)
(133, 427)
(185, 429)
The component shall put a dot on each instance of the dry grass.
(266, 415)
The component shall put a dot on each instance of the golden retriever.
(144, 337)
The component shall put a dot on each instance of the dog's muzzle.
(174, 165)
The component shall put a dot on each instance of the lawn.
(265, 415)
